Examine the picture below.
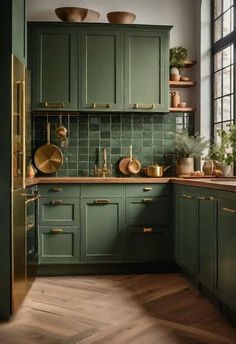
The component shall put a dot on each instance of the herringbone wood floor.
(118, 309)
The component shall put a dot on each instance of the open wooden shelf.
(182, 83)
(189, 63)
(178, 109)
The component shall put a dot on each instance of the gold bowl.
(120, 17)
(76, 14)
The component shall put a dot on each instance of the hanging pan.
(48, 158)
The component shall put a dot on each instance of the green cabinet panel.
(58, 212)
(186, 231)
(147, 211)
(102, 229)
(206, 240)
(147, 190)
(102, 190)
(19, 30)
(226, 260)
(101, 73)
(59, 190)
(59, 245)
(54, 68)
(146, 70)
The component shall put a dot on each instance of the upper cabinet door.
(146, 70)
(19, 30)
(101, 74)
(54, 74)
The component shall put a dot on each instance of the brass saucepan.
(155, 170)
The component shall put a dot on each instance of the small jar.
(208, 167)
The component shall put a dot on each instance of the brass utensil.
(155, 171)
(134, 165)
(48, 158)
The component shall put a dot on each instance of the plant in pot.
(187, 148)
(224, 153)
(177, 58)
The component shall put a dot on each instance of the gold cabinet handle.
(102, 201)
(187, 196)
(229, 210)
(30, 198)
(56, 230)
(147, 229)
(56, 202)
(29, 226)
(211, 198)
(144, 106)
(56, 189)
(147, 200)
(101, 106)
(147, 189)
(53, 105)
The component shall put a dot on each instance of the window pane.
(217, 84)
(216, 127)
(227, 4)
(217, 8)
(217, 29)
(218, 61)
(226, 80)
(226, 108)
(227, 58)
(217, 110)
(227, 23)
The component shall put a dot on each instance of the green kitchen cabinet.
(19, 30)
(186, 230)
(207, 240)
(102, 229)
(147, 229)
(226, 249)
(101, 69)
(146, 70)
(53, 61)
(59, 244)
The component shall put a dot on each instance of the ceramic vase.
(184, 166)
(175, 99)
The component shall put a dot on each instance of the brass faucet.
(104, 171)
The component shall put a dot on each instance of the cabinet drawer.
(147, 211)
(59, 211)
(143, 190)
(149, 245)
(59, 244)
(59, 190)
(102, 190)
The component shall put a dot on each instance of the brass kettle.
(155, 170)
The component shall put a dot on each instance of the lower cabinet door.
(226, 281)
(59, 245)
(102, 229)
(146, 243)
(206, 241)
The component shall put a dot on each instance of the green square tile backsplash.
(149, 134)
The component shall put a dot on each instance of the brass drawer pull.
(228, 210)
(144, 106)
(211, 198)
(56, 189)
(101, 106)
(31, 199)
(102, 201)
(54, 105)
(29, 226)
(147, 229)
(187, 196)
(56, 230)
(56, 202)
(147, 189)
(147, 200)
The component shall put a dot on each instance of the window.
(223, 77)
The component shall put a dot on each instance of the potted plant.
(177, 58)
(187, 148)
(224, 153)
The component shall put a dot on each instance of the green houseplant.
(177, 58)
(224, 153)
(187, 148)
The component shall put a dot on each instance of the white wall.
(179, 13)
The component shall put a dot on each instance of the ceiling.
(43, 10)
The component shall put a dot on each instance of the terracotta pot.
(175, 99)
(175, 77)
(184, 166)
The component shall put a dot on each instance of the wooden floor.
(118, 309)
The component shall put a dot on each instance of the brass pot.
(155, 170)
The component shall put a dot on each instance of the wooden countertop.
(205, 183)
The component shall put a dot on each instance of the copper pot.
(155, 170)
